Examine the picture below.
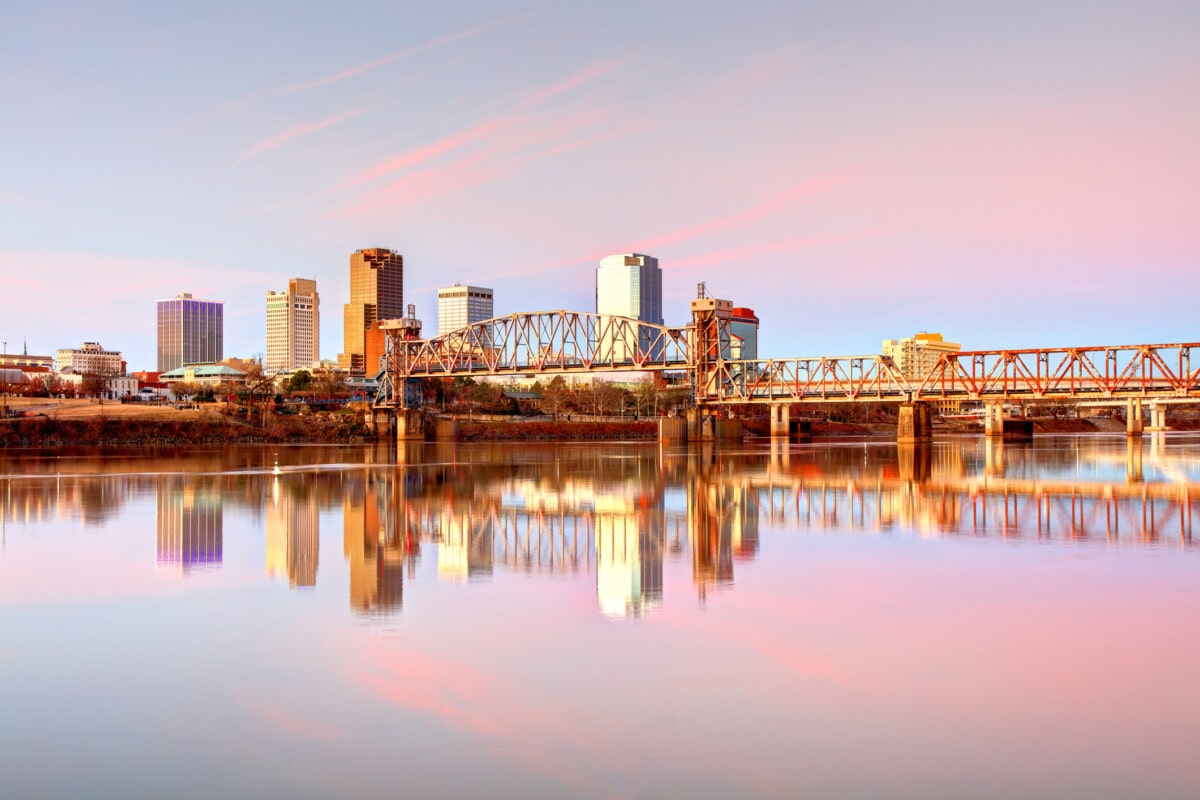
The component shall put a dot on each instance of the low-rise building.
(207, 375)
(19, 360)
(90, 359)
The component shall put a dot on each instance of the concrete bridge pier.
(1158, 417)
(915, 423)
(780, 420)
(410, 425)
(1133, 418)
(993, 419)
(673, 430)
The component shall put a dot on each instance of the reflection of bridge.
(565, 342)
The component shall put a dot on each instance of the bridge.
(534, 344)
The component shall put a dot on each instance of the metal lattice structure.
(566, 342)
(1127, 371)
(544, 342)
(1154, 371)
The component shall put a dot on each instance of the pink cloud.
(585, 75)
(441, 147)
(781, 246)
(773, 203)
(299, 130)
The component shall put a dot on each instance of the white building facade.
(917, 355)
(460, 306)
(293, 326)
(630, 285)
(90, 359)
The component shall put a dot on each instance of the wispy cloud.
(737, 254)
(585, 75)
(442, 146)
(9, 198)
(771, 204)
(399, 55)
(352, 72)
(292, 133)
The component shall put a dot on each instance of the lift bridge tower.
(407, 397)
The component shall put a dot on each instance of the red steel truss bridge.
(579, 343)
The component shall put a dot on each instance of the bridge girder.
(574, 342)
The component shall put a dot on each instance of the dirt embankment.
(100, 430)
(555, 431)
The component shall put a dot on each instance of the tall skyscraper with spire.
(376, 293)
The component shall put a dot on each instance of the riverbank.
(211, 429)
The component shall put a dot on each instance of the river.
(834, 619)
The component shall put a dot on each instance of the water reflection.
(189, 530)
(619, 512)
(293, 532)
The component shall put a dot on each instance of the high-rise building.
(630, 285)
(190, 331)
(293, 326)
(460, 306)
(917, 355)
(743, 329)
(376, 293)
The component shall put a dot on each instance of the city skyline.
(1001, 174)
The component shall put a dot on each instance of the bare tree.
(554, 396)
(647, 395)
(602, 397)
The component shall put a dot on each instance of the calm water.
(835, 620)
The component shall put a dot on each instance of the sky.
(1008, 174)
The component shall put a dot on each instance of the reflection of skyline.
(188, 526)
(628, 512)
(376, 555)
(293, 524)
(629, 556)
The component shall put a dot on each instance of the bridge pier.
(699, 425)
(915, 422)
(1158, 417)
(410, 425)
(780, 420)
(673, 430)
(1133, 418)
(993, 419)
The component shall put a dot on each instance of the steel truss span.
(1052, 374)
(544, 342)
(565, 342)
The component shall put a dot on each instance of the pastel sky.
(1010, 174)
